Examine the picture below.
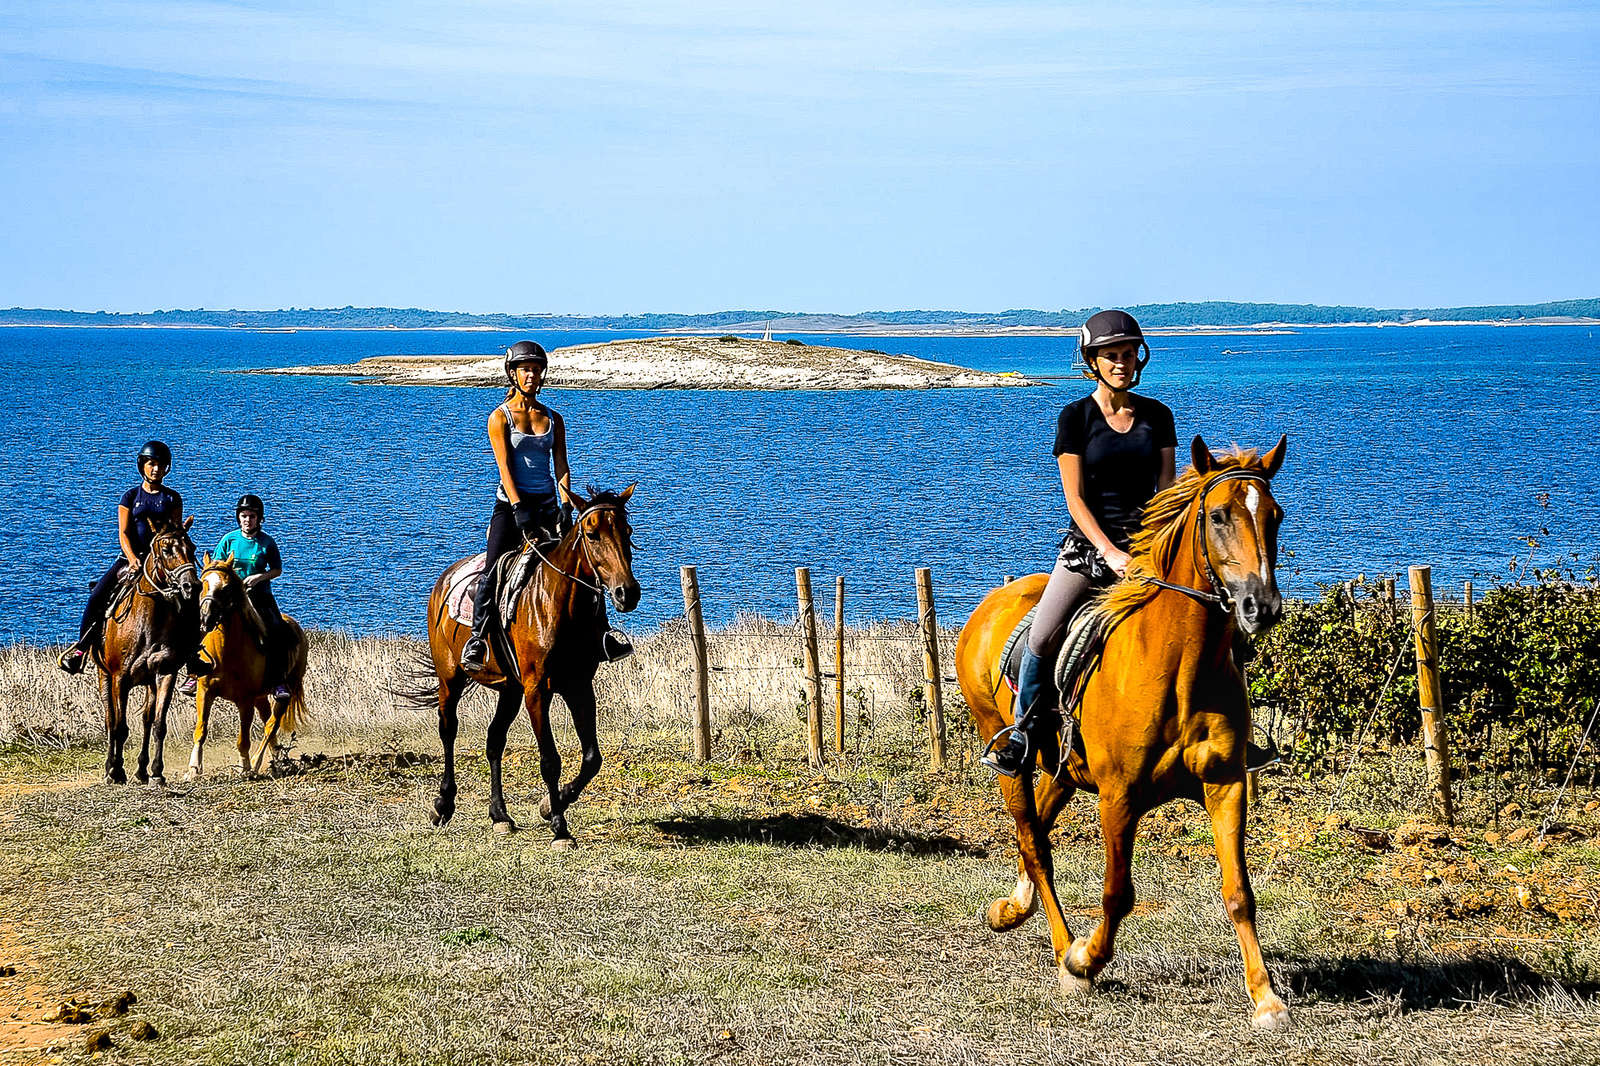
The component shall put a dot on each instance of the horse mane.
(1155, 545)
(252, 617)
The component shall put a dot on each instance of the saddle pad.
(1080, 646)
(515, 570)
(463, 588)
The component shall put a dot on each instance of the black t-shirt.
(1120, 470)
(143, 506)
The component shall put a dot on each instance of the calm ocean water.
(1442, 445)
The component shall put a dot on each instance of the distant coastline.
(1212, 317)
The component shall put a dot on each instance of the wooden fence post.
(702, 672)
(933, 686)
(838, 664)
(1466, 598)
(808, 631)
(1435, 742)
(1388, 595)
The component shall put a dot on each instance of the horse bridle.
(583, 547)
(1220, 596)
(169, 594)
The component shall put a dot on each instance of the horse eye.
(1219, 516)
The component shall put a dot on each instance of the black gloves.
(527, 520)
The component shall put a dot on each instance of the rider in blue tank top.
(529, 441)
(257, 562)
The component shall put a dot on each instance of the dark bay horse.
(555, 632)
(147, 637)
(234, 634)
(1165, 716)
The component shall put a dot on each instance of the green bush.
(1520, 674)
(795, 341)
(728, 338)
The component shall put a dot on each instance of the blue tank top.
(530, 459)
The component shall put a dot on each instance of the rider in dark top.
(147, 501)
(1114, 450)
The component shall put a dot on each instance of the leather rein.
(1220, 596)
(583, 547)
(171, 595)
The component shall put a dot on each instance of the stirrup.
(73, 660)
(614, 645)
(990, 758)
(475, 664)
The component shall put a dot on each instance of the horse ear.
(187, 522)
(572, 497)
(1200, 455)
(228, 562)
(205, 561)
(627, 492)
(1273, 460)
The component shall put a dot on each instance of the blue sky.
(606, 158)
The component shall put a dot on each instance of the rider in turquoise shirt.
(256, 560)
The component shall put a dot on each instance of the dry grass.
(746, 911)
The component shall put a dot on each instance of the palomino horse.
(234, 635)
(1164, 716)
(146, 639)
(555, 632)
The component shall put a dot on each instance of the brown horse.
(555, 632)
(147, 637)
(234, 635)
(1165, 715)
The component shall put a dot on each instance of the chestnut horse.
(234, 635)
(147, 636)
(555, 632)
(1164, 716)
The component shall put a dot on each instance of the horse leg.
(1226, 805)
(505, 712)
(1008, 912)
(1033, 845)
(116, 729)
(1118, 824)
(538, 701)
(269, 742)
(580, 701)
(444, 804)
(161, 696)
(202, 719)
(147, 718)
(247, 713)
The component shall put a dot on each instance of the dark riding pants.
(504, 537)
(100, 597)
(266, 606)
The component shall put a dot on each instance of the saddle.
(511, 575)
(1075, 663)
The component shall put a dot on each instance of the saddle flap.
(1080, 654)
(516, 570)
(463, 588)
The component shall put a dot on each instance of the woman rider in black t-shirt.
(147, 501)
(1114, 450)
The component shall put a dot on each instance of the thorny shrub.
(1520, 673)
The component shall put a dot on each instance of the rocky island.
(681, 363)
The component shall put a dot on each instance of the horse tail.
(294, 716)
(417, 683)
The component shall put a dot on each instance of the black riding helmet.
(1111, 327)
(249, 502)
(525, 352)
(154, 449)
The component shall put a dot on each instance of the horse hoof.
(440, 814)
(1271, 1015)
(1073, 985)
(192, 775)
(1003, 915)
(159, 781)
(141, 778)
(563, 844)
(544, 808)
(116, 777)
(505, 828)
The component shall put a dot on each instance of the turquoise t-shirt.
(251, 555)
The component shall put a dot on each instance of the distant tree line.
(1207, 313)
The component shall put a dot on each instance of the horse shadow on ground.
(1416, 984)
(810, 831)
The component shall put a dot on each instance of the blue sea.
(1444, 445)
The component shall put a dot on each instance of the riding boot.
(1011, 758)
(75, 658)
(475, 653)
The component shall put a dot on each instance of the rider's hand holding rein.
(1115, 367)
